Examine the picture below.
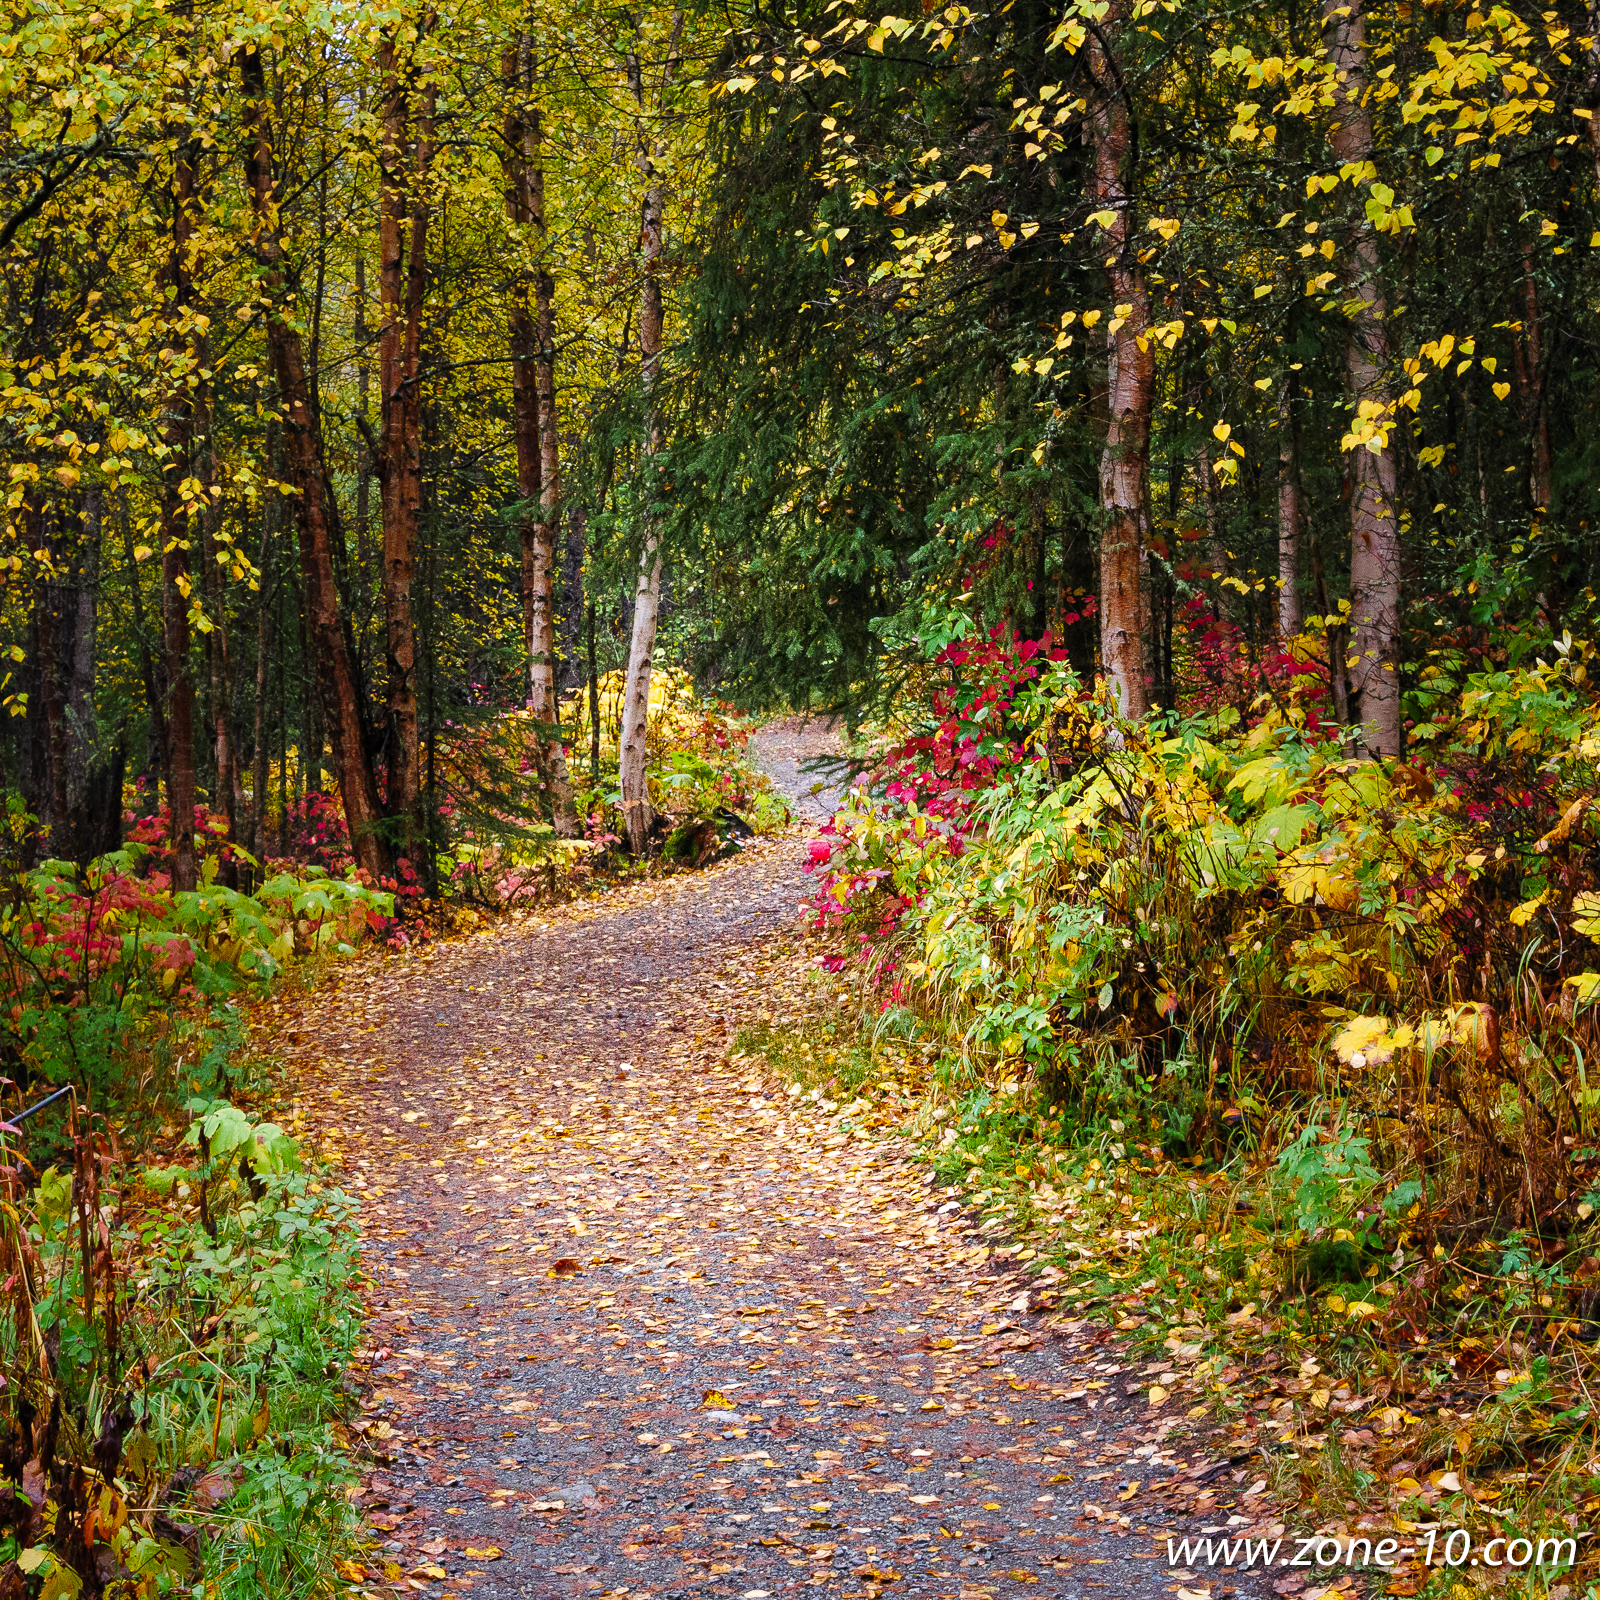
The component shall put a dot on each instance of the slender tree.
(1130, 383)
(302, 450)
(1374, 525)
(177, 516)
(636, 808)
(405, 178)
(1289, 518)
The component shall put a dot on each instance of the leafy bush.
(172, 1347)
(108, 980)
(1221, 924)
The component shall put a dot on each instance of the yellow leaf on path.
(1023, 1577)
(924, 1499)
(1157, 1394)
(1523, 914)
(715, 1400)
(933, 1405)
(1192, 1594)
(490, 1552)
(1447, 1481)
(1130, 1491)
(427, 1571)
(349, 1570)
(1585, 985)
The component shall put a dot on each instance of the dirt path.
(642, 1323)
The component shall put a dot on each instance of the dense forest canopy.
(1162, 434)
(372, 373)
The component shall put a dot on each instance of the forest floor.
(644, 1323)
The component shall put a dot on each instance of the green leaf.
(55, 1194)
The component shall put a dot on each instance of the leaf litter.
(643, 1322)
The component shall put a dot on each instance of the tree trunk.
(1130, 392)
(546, 697)
(594, 696)
(368, 463)
(633, 735)
(263, 763)
(93, 831)
(47, 628)
(149, 667)
(1374, 529)
(522, 335)
(532, 341)
(1288, 517)
(302, 449)
(215, 588)
(177, 434)
(1527, 353)
(402, 287)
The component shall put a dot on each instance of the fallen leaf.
(490, 1552)
(213, 1489)
(434, 1547)
(715, 1400)
(565, 1267)
(549, 1505)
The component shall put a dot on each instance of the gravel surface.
(643, 1323)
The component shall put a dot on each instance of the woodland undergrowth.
(179, 1279)
(1276, 1059)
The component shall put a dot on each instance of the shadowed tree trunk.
(228, 794)
(403, 217)
(1374, 530)
(177, 434)
(1130, 389)
(532, 340)
(302, 453)
(545, 701)
(262, 773)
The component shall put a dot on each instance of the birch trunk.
(302, 452)
(636, 808)
(1374, 529)
(1288, 518)
(1130, 393)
